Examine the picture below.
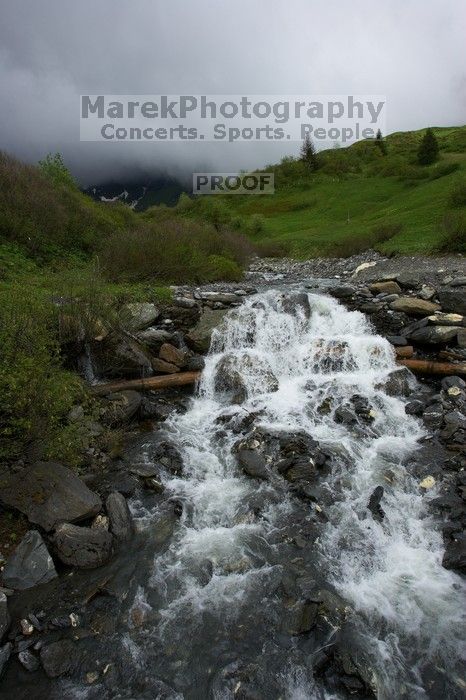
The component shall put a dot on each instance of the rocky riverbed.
(76, 603)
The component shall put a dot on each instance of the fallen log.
(432, 367)
(148, 384)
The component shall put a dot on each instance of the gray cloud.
(52, 51)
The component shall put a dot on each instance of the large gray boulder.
(121, 407)
(453, 299)
(59, 658)
(199, 337)
(140, 315)
(49, 493)
(84, 547)
(120, 518)
(30, 564)
(434, 335)
(4, 615)
(414, 306)
(121, 356)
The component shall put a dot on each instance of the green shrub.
(55, 169)
(37, 393)
(255, 224)
(172, 251)
(457, 196)
(222, 269)
(453, 233)
(272, 248)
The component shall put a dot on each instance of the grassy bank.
(359, 197)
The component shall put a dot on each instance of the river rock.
(374, 504)
(388, 287)
(121, 524)
(398, 382)
(28, 660)
(162, 367)
(443, 319)
(434, 335)
(291, 303)
(455, 553)
(198, 338)
(461, 337)
(83, 547)
(30, 564)
(231, 371)
(121, 407)
(59, 658)
(407, 280)
(140, 315)
(172, 355)
(453, 300)
(4, 615)
(414, 307)
(5, 653)
(252, 463)
(121, 356)
(49, 493)
(343, 291)
(154, 338)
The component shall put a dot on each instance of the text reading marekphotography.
(230, 118)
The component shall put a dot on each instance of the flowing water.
(219, 601)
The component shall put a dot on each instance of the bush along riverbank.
(80, 510)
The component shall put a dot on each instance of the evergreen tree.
(380, 143)
(308, 154)
(428, 149)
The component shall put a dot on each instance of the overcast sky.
(51, 51)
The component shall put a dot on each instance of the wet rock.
(4, 616)
(427, 292)
(342, 291)
(374, 504)
(303, 617)
(121, 524)
(388, 287)
(162, 367)
(5, 653)
(196, 363)
(28, 660)
(253, 464)
(30, 564)
(166, 456)
(121, 407)
(154, 338)
(58, 658)
(140, 315)
(453, 300)
(434, 335)
(172, 355)
(121, 356)
(408, 280)
(453, 381)
(291, 303)
(442, 319)
(397, 340)
(415, 408)
(49, 493)
(414, 307)
(398, 382)
(82, 547)
(231, 372)
(198, 338)
(455, 553)
(461, 338)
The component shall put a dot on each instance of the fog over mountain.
(52, 51)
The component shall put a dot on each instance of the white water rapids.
(224, 555)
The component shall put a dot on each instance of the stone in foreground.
(58, 658)
(30, 564)
(48, 494)
(120, 517)
(83, 547)
(414, 307)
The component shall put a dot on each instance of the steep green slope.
(359, 197)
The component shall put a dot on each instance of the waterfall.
(289, 363)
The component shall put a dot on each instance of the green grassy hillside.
(360, 197)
